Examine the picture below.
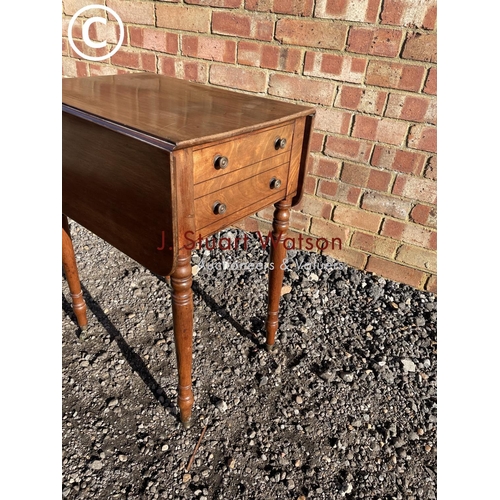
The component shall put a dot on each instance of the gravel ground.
(344, 409)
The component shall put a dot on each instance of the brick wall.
(369, 67)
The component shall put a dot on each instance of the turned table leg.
(278, 256)
(182, 307)
(71, 272)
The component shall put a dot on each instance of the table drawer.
(220, 159)
(221, 205)
(224, 181)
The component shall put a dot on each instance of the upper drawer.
(241, 151)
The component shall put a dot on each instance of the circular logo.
(85, 32)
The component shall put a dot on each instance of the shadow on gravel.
(133, 359)
(222, 312)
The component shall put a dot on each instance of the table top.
(178, 112)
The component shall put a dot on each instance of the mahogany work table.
(150, 161)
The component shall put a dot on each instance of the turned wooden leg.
(71, 272)
(182, 307)
(278, 256)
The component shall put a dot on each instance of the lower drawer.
(226, 205)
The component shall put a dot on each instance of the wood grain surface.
(174, 110)
(240, 151)
(121, 190)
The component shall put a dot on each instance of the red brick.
(431, 285)
(373, 41)
(339, 191)
(379, 180)
(154, 39)
(74, 67)
(354, 217)
(395, 75)
(409, 13)
(269, 56)
(335, 67)
(255, 26)
(386, 204)
(77, 27)
(415, 188)
(294, 7)
(398, 159)
(411, 108)
(393, 229)
(109, 32)
(106, 69)
(408, 233)
(311, 33)
(89, 51)
(263, 226)
(299, 221)
(398, 184)
(431, 82)
(266, 213)
(185, 69)
(379, 129)
(135, 60)
(309, 185)
(431, 168)
(423, 137)
(361, 99)
(332, 120)
(134, 12)
(71, 7)
(420, 47)
(65, 47)
(351, 257)
(359, 10)
(296, 87)
(430, 17)
(355, 174)
(329, 230)
(182, 18)
(316, 207)
(228, 4)
(346, 147)
(417, 257)
(374, 244)
(424, 215)
(433, 241)
(317, 141)
(395, 272)
(324, 167)
(211, 48)
(229, 23)
(253, 80)
(328, 189)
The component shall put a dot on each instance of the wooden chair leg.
(71, 272)
(182, 308)
(278, 255)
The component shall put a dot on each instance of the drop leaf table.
(151, 163)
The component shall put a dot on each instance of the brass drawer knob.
(275, 183)
(219, 208)
(220, 162)
(280, 143)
